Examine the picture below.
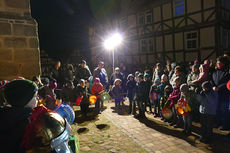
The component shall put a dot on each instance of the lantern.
(167, 113)
(105, 96)
(92, 99)
(180, 110)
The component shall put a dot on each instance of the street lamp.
(112, 42)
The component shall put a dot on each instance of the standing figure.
(97, 90)
(117, 93)
(131, 87)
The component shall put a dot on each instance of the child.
(117, 93)
(161, 88)
(174, 97)
(164, 102)
(154, 97)
(81, 90)
(140, 95)
(209, 100)
(185, 103)
(148, 84)
(131, 86)
(96, 90)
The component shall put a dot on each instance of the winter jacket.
(82, 73)
(131, 87)
(161, 89)
(13, 125)
(67, 95)
(141, 91)
(174, 96)
(97, 89)
(209, 101)
(117, 92)
(203, 76)
(148, 85)
(157, 74)
(102, 75)
(181, 76)
(192, 77)
(219, 79)
(115, 76)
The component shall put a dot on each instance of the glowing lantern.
(167, 113)
(92, 99)
(105, 96)
(180, 110)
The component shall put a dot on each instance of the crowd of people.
(176, 93)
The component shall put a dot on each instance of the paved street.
(156, 136)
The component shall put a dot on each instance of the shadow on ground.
(220, 142)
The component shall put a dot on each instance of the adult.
(82, 72)
(101, 73)
(56, 73)
(116, 75)
(193, 75)
(21, 96)
(219, 80)
(178, 72)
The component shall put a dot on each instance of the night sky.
(62, 25)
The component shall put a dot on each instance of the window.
(226, 4)
(191, 40)
(179, 7)
(141, 19)
(146, 45)
(150, 45)
(148, 17)
(143, 45)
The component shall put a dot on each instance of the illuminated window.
(191, 40)
(179, 7)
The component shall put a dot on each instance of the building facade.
(19, 46)
(176, 30)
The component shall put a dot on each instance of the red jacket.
(97, 90)
(174, 96)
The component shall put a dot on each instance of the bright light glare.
(113, 41)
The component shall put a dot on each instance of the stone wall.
(19, 46)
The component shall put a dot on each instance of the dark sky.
(62, 24)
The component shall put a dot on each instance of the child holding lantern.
(97, 90)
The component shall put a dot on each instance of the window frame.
(177, 4)
(191, 40)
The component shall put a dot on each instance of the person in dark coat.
(56, 73)
(117, 93)
(101, 73)
(82, 72)
(209, 103)
(131, 87)
(219, 80)
(21, 96)
(67, 93)
(116, 75)
(140, 95)
(81, 90)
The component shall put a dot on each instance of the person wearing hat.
(208, 107)
(21, 96)
(131, 87)
(148, 84)
(116, 75)
(97, 90)
(82, 72)
(117, 93)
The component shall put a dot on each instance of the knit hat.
(184, 88)
(157, 80)
(177, 79)
(83, 62)
(146, 75)
(140, 75)
(19, 92)
(97, 80)
(207, 85)
(130, 75)
(116, 80)
(117, 69)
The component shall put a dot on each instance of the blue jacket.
(209, 101)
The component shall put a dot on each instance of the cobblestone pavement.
(156, 136)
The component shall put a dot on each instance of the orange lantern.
(180, 110)
(92, 99)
